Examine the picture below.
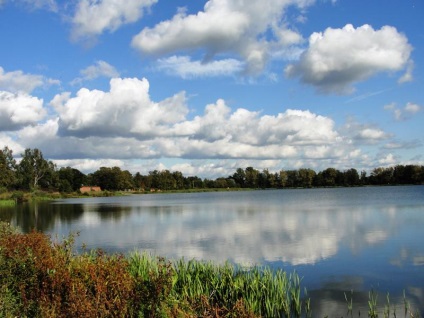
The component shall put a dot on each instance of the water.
(338, 240)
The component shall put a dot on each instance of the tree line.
(35, 172)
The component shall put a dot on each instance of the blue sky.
(205, 87)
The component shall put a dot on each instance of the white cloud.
(93, 17)
(371, 134)
(407, 77)
(18, 81)
(99, 69)
(338, 58)
(7, 140)
(388, 160)
(19, 110)
(94, 121)
(184, 67)
(412, 108)
(405, 113)
(224, 26)
(126, 110)
(90, 165)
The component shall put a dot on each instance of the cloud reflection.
(261, 226)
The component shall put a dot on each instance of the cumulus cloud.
(94, 120)
(19, 110)
(98, 69)
(93, 17)
(336, 59)
(293, 126)
(224, 26)
(123, 111)
(184, 67)
(18, 81)
(405, 113)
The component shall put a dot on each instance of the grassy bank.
(41, 278)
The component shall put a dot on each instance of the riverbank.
(11, 198)
(41, 278)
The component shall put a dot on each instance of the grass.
(41, 277)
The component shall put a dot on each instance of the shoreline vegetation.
(41, 277)
(36, 177)
(10, 199)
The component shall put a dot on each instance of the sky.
(206, 87)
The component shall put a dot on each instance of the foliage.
(7, 168)
(34, 172)
(41, 278)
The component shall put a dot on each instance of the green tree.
(329, 177)
(306, 177)
(7, 168)
(292, 179)
(382, 176)
(252, 176)
(113, 179)
(282, 178)
(239, 177)
(351, 177)
(70, 179)
(34, 170)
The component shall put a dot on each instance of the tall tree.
(252, 176)
(306, 177)
(33, 169)
(239, 177)
(70, 179)
(7, 168)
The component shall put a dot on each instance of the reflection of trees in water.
(6, 214)
(41, 216)
(111, 212)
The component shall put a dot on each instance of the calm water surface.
(338, 240)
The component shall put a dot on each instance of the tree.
(329, 177)
(113, 179)
(382, 176)
(292, 178)
(7, 168)
(282, 176)
(239, 177)
(70, 179)
(351, 177)
(34, 169)
(306, 177)
(252, 176)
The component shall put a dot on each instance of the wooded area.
(35, 172)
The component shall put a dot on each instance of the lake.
(338, 239)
